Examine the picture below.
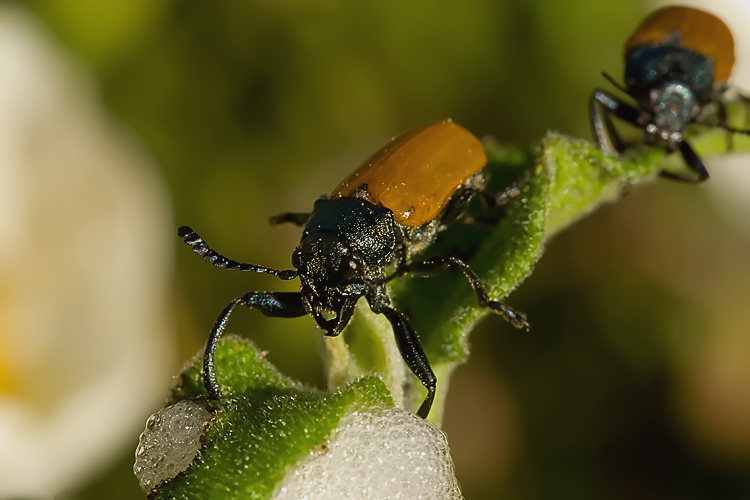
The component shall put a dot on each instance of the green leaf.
(264, 424)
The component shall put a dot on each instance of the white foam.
(170, 443)
(386, 454)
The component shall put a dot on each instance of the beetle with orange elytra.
(388, 209)
(677, 64)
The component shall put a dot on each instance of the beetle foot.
(516, 318)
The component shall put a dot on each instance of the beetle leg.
(456, 206)
(693, 161)
(722, 113)
(493, 200)
(209, 255)
(413, 354)
(510, 192)
(275, 304)
(431, 267)
(745, 103)
(733, 130)
(296, 218)
(601, 124)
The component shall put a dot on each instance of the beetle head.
(332, 278)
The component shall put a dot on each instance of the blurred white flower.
(85, 338)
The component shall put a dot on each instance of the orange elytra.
(416, 174)
(692, 29)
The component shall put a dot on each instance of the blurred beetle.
(677, 63)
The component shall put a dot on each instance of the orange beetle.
(394, 204)
(693, 29)
(676, 63)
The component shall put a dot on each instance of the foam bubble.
(170, 443)
(386, 454)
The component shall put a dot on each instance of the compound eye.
(296, 259)
(353, 268)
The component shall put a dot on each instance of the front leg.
(693, 161)
(606, 136)
(275, 304)
(412, 352)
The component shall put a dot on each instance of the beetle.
(388, 209)
(677, 63)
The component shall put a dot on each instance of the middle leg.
(436, 265)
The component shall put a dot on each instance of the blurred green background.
(635, 379)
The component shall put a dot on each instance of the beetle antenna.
(614, 82)
(201, 248)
